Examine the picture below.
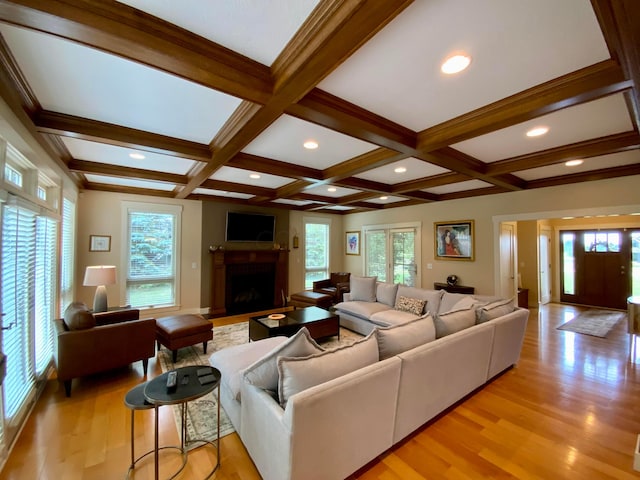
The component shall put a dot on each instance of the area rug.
(201, 413)
(595, 322)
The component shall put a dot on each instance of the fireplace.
(244, 281)
(249, 288)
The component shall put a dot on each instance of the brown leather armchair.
(117, 339)
(336, 285)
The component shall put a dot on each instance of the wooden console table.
(453, 288)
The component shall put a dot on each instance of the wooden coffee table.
(320, 323)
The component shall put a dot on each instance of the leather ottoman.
(183, 331)
(311, 299)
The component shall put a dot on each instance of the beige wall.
(591, 198)
(100, 213)
(528, 258)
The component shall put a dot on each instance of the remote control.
(172, 380)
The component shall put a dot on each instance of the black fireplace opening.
(250, 288)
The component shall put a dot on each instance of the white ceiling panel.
(288, 201)
(113, 155)
(546, 39)
(415, 169)
(458, 187)
(571, 125)
(129, 182)
(283, 140)
(238, 175)
(115, 90)
(339, 208)
(221, 193)
(386, 199)
(254, 28)
(323, 191)
(595, 163)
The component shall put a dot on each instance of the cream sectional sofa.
(307, 414)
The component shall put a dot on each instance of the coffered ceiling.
(219, 97)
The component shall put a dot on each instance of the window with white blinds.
(152, 256)
(67, 259)
(28, 283)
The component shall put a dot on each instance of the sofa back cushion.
(264, 372)
(400, 338)
(454, 321)
(363, 289)
(298, 374)
(494, 310)
(78, 317)
(431, 296)
(386, 293)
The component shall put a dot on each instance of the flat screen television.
(250, 227)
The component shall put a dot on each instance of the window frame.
(316, 221)
(151, 208)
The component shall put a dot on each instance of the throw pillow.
(78, 317)
(386, 293)
(449, 300)
(400, 338)
(411, 305)
(432, 297)
(298, 374)
(264, 372)
(494, 310)
(363, 289)
(452, 322)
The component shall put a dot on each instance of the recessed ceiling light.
(384, 198)
(455, 63)
(310, 144)
(636, 213)
(331, 189)
(574, 163)
(400, 169)
(537, 131)
(254, 176)
(568, 218)
(137, 156)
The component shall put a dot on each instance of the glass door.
(391, 254)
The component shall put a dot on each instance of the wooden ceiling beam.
(122, 30)
(236, 187)
(367, 185)
(362, 163)
(590, 83)
(274, 167)
(429, 182)
(618, 142)
(614, 172)
(101, 187)
(324, 109)
(333, 31)
(95, 131)
(96, 168)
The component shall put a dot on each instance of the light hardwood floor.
(569, 410)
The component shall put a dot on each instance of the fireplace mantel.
(224, 259)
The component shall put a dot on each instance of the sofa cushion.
(264, 372)
(361, 309)
(298, 374)
(386, 293)
(494, 310)
(451, 322)
(78, 317)
(390, 317)
(400, 338)
(233, 361)
(431, 296)
(363, 289)
(409, 304)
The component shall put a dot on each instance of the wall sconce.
(99, 276)
(296, 241)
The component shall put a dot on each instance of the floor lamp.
(99, 276)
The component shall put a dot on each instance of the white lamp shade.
(100, 275)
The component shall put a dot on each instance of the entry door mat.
(594, 322)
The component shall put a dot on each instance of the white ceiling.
(121, 88)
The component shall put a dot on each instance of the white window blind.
(46, 233)
(18, 275)
(152, 256)
(67, 260)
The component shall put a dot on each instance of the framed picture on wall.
(353, 243)
(454, 240)
(99, 243)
